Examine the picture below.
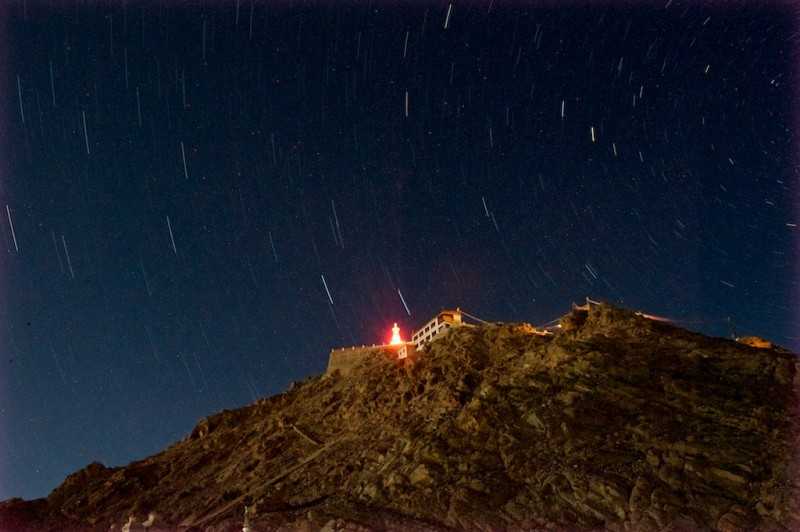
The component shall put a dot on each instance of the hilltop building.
(344, 359)
(440, 323)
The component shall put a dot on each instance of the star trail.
(203, 198)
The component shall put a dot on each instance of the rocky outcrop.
(755, 341)
(617, 422)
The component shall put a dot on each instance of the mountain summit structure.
(615, 421)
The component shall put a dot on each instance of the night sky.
(199, 200)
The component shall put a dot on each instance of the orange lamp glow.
(396, 335)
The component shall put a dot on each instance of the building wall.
(346, 358)
(440, 323)
(407, 351)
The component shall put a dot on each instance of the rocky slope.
(616, 422)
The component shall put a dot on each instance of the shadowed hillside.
(615, 422)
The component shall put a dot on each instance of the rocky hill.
(615, 422)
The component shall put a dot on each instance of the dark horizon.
(206, 199)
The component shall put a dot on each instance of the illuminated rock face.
(615, 422)
(755, 341)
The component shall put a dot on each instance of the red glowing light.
(396, 335)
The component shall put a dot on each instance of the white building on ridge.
(440, 323)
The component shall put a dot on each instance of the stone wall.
(345, 359)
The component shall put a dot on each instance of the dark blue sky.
(181, 179)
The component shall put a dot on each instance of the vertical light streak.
(172, 237)
(19, 93)
(185, 168)
(13, 233)
(404, 301)
(85, 133)
(69, 261)
(447, 19)
(326, 289)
